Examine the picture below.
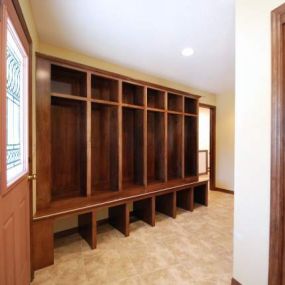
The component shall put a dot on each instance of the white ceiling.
(148, 35)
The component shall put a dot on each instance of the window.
(16, 91)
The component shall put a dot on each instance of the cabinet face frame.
(44, 98)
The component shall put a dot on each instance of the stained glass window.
(16, 106)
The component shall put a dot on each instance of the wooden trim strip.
(217, 189)
(235, 282)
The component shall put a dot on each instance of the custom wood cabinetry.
(104, 140)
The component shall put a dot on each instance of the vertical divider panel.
(120, 136)
(145, 137)
(183, 136)
(88, 135)
(43, 133)
(165, 136)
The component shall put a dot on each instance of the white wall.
(204, 129)
(225, 128)
(252, 140)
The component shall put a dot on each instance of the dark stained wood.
(43, 131)
(185, 200)
(87, 227)
(155, 98)
(174, 146)
(145, 210)
(68, 148)
(104, 88)
(133, 94)
(67, 81)
(235, 282)
(191, 147)
(103, 199)
(166, 204)
(277, 203)
(114, 75)
(175, 102)
(119, 218)
(155, 147)
(223, 190)
(105, 149)
(133, 161)
(201, 194)
(43, 244)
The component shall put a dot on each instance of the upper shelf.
(155, 98)
(103, 88)
(133, 94)
(175, 102)
(67, 81)
(191, 106)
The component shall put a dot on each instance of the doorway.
(207, 143)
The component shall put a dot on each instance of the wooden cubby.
(191, 106)
(133, 147)
(67, 81)
(155, 98)
(103, 88)
(174, 146)
(68, 148)
(190, 146)
(175, 102)
(104, 148)
(106, 141)
(133, 94)
(155, 147)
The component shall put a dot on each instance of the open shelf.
(103, 88)
(68, 148)
(132, 142)
(175, 102)
(133, 94)
(190, 106)
(155, 98)
(155, 147)
(174, 146)
(190, 149)
(67, 81)
(104, 148)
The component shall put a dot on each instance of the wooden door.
(14, 186)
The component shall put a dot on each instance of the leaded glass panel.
(15, 104)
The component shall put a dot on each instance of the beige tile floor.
(195, 248)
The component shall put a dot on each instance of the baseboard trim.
(235, 282)
(223, 190)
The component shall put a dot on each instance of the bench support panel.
(43, 244)
(119, 218)
(87, 227)
(201, 194)
(185, 199)
(166, 204)
(145, 210)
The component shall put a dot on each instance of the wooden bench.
(163, 198)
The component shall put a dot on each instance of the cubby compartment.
(67, 81)
(103, 88)
(191, 106)
(190, 146)
(174, 146)
(155, 147)
(175, 102)
(155, 98)
(104, 148)
(68, 148)
(133, 147)
(133, 94)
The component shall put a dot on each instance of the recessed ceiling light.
(187, 52)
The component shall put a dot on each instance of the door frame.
(24, 26)
(277, 202)
(212, 144)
